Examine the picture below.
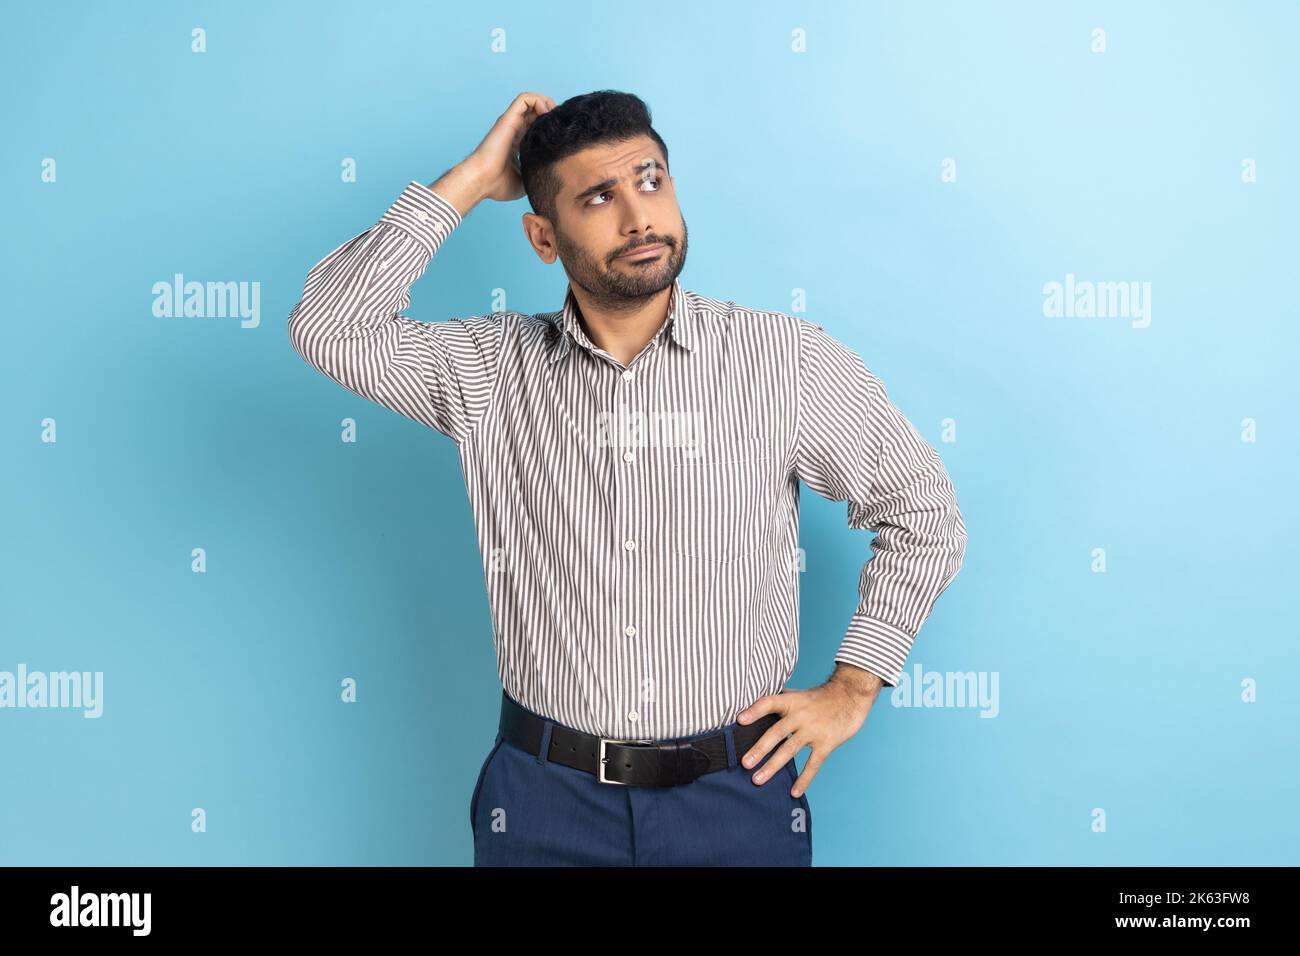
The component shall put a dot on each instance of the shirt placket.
(627, 391)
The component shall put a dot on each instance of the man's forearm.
(348, 322)
(462, 186)
(860, 681)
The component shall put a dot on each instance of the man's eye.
(656, 180)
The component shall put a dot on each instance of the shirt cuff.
(424, 215)
(875, 646)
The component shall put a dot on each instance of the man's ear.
(540, 235)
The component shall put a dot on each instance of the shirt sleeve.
(347, 323)
(854, 445)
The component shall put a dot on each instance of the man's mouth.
(646, 251)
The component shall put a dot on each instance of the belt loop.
(731, 745)
(544, 750)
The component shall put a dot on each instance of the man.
(633, 464)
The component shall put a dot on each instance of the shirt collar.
(679, 324)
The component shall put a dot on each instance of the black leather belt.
(634, 763)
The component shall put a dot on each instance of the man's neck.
(623, 334)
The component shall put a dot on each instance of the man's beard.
(615, 285)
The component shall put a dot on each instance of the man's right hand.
(490, 172)
(493, 161)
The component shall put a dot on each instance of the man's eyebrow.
(649, 165)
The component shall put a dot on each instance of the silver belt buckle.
(600, 764)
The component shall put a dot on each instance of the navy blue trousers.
(528, 811)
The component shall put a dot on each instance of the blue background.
(817, 171)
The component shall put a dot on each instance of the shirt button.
(629, 545)
(630, 631)
(628, 456)
(632, 715)
(422, 215)
(627, 375)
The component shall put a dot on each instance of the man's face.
(618, 199)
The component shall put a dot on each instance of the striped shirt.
(639, 524)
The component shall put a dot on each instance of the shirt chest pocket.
(720, 500)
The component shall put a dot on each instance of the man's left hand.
(822, 718)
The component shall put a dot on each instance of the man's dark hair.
(605, 116)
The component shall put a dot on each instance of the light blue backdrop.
(1160, 692)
